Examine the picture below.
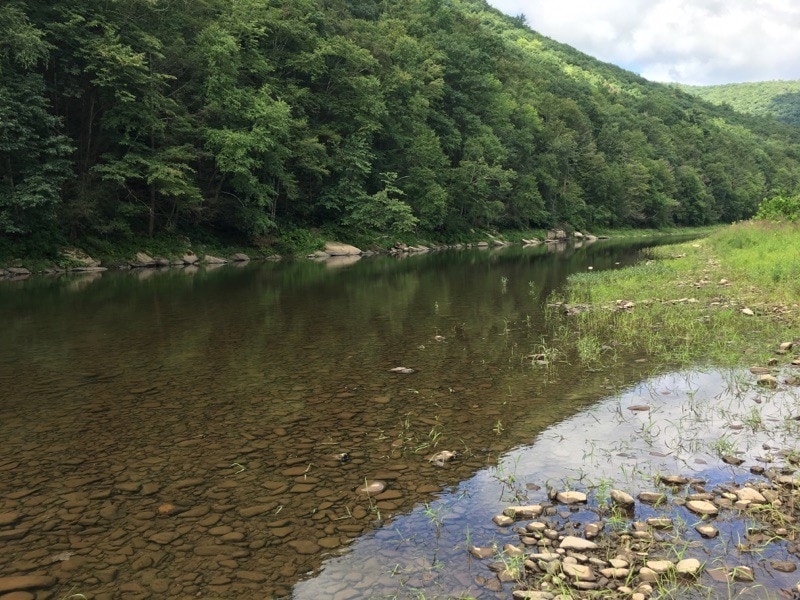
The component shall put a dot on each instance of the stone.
(660, 522)
(652, 498)
(784, 566)
(767, 380)
(304, 546)
(512, 550)
(748, 312)
(143, 260)
(502, 520)
(732, 460)
(164, 537)
(578, 572)
(674, 479)
(253, 511)
(702, 507)
(190, 258)
(402, 370)
(615, 573)
(759, 370)
(9, 518)
(254, 576)
(530, 511)
(571, 497)
(214, 260)
(750, 495)
(371, 488)
(221, 550)
(481, 552)
(26, 582)
(659, 566)
(18, 596)
(688, 566)
(339, 249)
(240, 257)
(129, 486)
(440, 458)
(592, 530)
(647, 574)
(622, 499)
(531, 595)
(707, 531)
(571, 542)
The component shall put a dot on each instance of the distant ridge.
(780, 99)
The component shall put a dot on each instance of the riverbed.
(205, 432)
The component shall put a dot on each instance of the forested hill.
(256, 117)
(780, 99)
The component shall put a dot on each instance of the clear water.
(178, 433)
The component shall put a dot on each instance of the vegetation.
(780, 99)
(779, 208)
(247, 121)
(728, 299)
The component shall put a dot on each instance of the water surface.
(179, 433)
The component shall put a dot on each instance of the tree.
(33, 149)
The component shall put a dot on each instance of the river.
(203, 433)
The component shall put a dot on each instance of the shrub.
(779, 208)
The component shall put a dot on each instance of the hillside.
(259, 119)
(780, 99)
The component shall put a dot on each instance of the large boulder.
(143, 260)
(80, 258)
(214, 260)
(339, 249)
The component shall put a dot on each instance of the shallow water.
(423, 552)
(178, 433)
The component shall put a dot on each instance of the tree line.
(252, 118)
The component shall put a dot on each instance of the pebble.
(26, 582)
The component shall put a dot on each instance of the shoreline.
(76, 260)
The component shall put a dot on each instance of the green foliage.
(383, 210)
(780, 99)
(249, 119)
(779, 208)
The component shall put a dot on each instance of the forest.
(780, 99)
(258, 119)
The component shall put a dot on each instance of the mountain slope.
(256, 117)
(780, 99)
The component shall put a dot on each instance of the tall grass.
(688, 300)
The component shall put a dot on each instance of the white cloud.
(689, 41)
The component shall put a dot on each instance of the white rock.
(622, 498)
(571, 497)
(688, 566)
(747, 494)
(702, 507)
(571, 542)
(339, 249)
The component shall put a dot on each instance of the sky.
(699, 42)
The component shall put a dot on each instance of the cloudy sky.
(687, 41)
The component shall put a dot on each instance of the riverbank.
(721, 300)
(177, 251)
(727, 525)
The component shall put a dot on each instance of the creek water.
(203, 433)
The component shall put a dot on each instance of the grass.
(687, 303)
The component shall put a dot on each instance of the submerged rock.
(372, 488)
(402, 370)
(442, 457)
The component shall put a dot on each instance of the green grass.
(688, 300)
